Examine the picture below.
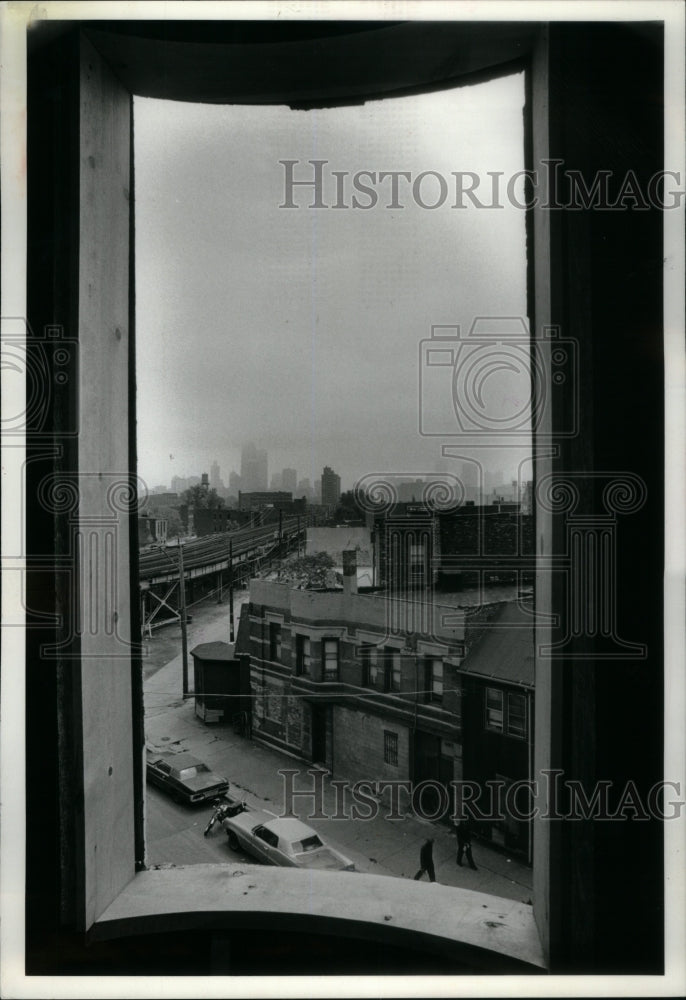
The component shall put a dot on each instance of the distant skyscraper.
(234, 483)
(275, 483)
(215, 479)
(289, 480)
(304, 489)
(331, 487)
(262, 471)
(253, 469)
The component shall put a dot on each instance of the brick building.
(214, 520)
(497, 724)
(368, 685)
(278, 499)
(416, 546)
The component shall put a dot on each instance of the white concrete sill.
(485, 932)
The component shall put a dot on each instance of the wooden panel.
(104, 500)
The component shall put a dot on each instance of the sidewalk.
(378, 846)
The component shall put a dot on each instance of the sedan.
(184, 777)
(283, 841)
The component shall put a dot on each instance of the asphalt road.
(176, 830)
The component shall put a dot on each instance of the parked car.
(282, 841)
(184, 777)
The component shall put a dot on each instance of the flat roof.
(215, 651)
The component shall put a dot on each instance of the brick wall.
(358, 751)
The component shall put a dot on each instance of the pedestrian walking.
(464, 843)
(426, 860)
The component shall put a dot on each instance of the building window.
(330, 657)
(434, 679)
(494, 709)
(516, 715)
(390, 748)
(274, 642)
(368, 665)
(391, 670)
(302, 655)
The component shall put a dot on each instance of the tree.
(174, 523)
(198, 498)
(348, 508)
(308, 572)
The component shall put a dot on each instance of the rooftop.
(506, 649)
(214, 651)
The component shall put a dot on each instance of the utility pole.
(182, 613)
(231, 632)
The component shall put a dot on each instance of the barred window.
(390, 748)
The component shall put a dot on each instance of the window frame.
(368, 666)
(494, 727)
(392, 670)
(517, 734)
(335, 643)
(432, 696)
(546, 249)
(303, 659)
(275, 641)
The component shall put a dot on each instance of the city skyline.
(290, 327)
(467, 476)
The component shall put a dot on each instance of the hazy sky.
(299, 329)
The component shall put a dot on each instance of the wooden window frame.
(94, 885)
(328, 675)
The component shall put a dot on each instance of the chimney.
(349, 572)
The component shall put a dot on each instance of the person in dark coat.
(464, 843)
(426, 860)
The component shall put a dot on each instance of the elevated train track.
(232, 556)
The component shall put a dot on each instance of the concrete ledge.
(485, 933)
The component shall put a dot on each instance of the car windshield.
(192, 772)
(309, 844)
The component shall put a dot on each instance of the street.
(176, 831)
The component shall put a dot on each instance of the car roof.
(290, 828)
(178, 760)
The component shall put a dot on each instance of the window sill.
(483, 931)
